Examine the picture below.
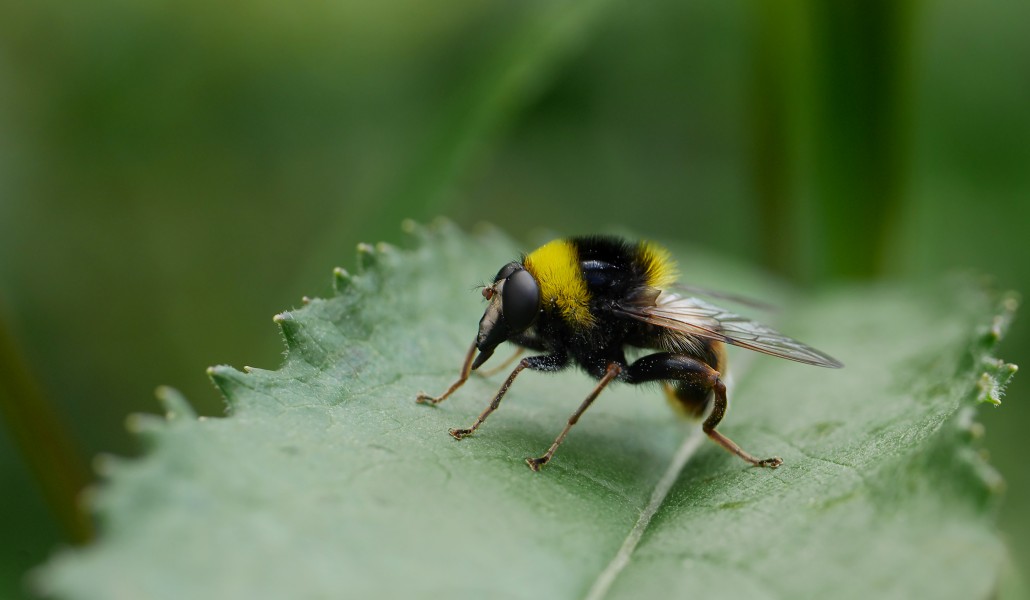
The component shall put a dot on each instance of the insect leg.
(613, 371)
(466, 368)
(718, 410)
(664, 366)
(549, 362)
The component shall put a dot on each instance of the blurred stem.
(774, 84)
(830, 127)
(861, 78)
(43, 440)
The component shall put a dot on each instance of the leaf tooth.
(1003, 320)
(341, 280)
(443, 227)
(422, 233)
(175, 404)
(367, 258)
(993, 380)
(485, 230)
(106, 465)
(144, 425)
(302, 337)
(143, 422)
(387, 254)
(413, 228)
(290, 328)
(226, 379)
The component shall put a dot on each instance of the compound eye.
(507, 270)
(520, 300)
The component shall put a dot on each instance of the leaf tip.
(143, 425)
(225, 379)
(410, 226)
(290, 329)
(1005, 312)
(341, 280)
(439, 227)
(993, 380)
(366, 257)
(420, 232)
(176, 405)
(442, 224)
(105, 464)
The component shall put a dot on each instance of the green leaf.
(328, 481)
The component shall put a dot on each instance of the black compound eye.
(520, 300)
(506, 271)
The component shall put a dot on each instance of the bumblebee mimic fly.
(584, 300)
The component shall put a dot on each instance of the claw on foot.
(459, 433)
(424, 398)
(536, 463)
(771, 463)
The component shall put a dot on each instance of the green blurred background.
(174, 173)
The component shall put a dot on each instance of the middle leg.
(546, 362)
(613, 371)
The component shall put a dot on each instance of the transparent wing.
(695, 317)
(693, 290)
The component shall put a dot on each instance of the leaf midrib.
(603, 583)
(687, 449)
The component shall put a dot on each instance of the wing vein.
(689, 316)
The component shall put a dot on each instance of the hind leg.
(687, 399)
(665, 366)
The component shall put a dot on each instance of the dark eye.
(520, 300)
(506, 271)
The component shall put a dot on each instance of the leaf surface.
(328, 481)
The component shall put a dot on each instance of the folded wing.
(691, 316)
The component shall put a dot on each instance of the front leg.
(463, 376)
(547, 362)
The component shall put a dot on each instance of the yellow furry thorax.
(556, 268)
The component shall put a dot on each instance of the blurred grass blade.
(831, 129)
(861, 71)
(775, 91)
(43, 440)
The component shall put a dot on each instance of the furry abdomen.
(691, 399)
